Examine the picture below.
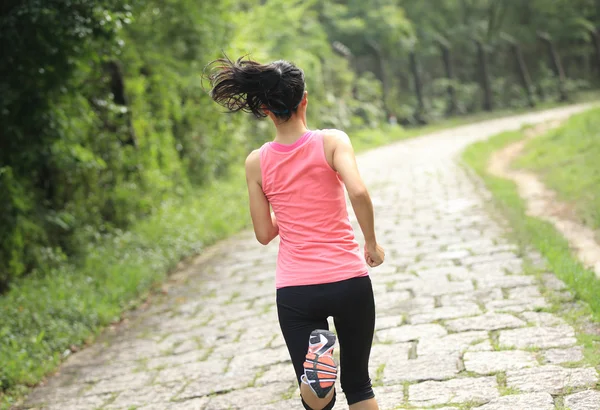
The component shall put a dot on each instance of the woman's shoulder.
(253, 160)
(333, 136)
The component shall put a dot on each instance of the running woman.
(321, 271)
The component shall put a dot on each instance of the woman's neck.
(289, 131)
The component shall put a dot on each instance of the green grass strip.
(529, 231)
(568, 161)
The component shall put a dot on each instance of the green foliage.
(44, 44)
(458, 23)
(107, 118)
(567, 161)
(44, 315)
(529, 231)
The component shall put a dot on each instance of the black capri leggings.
(302, 309)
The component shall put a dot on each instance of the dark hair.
(245, 85)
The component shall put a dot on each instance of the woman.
(320, 269)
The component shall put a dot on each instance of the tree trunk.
(523, 73)
(556, 65)
(596, 41)
(382, 74)
(117, 88)
(484, 76)
(418, 87)
(452, 104)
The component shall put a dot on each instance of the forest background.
(115, 163)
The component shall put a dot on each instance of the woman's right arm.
(344, 163)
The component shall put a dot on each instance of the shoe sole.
(320, 368)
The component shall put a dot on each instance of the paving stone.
(509, 281)
(431, 367)
(493, 362)
(550, 379)
(449, 255)
(435, 288)
(388, 321)
(543, 319)
(146, 395)
(292, 404)
(175, 360)
(539, 337)
(407, 333)
(585, 400)
(457, 272)
(192, 371)
(109, 370)
(498, 267)
(516, 305)
(493, 257)
(130, 381)
(452, 343)
(69, 402)
(54, 394)
(552, 282)
(255, 395)
(192, 404)
(557, 356)
(436, 408)
(206, 386)
(388, 397)
(383, 353)
(446, 312)
(431, 393)
(260, 358)
(483, 296)
(524, 292)
(532, 401)
(490, 321)
(417, 304)
(390, 300)
(485, 346)
(283, 372)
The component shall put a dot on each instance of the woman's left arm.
(265, 223)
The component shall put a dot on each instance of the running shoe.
(320, 369)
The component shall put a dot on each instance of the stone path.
(458, 323)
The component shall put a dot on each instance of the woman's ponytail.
(245, 85)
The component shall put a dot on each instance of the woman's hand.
(374, 255)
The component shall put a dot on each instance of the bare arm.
(344, 163)
(265, 224)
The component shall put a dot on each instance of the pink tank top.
(317, 243)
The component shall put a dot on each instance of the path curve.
(457, 321)
(543, 203)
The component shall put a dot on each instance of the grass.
(41, 318)
(567, 161)
(527, 230)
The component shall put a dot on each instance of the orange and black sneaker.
(320, 369)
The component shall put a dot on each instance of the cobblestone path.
(459, 325)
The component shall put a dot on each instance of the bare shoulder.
(336, 136)
(253, 164)
(253, 158)
(335, 141)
